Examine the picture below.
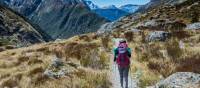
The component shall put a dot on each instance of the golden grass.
(157, 60)
(24, 67)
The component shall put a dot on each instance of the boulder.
(135, 30)
(180, 80)
(56, 62)
(2, 49)
(158, 36)
(194, 26)
(10, 47)
(58, 69)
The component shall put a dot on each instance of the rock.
(135, 30)
(49, 73)
(161, 25)
(56, 62)
(107, 27)
(158, 36)
(58, 40)
(2, 49)
(180, 80)
(58, 69)
(151, 23)
(52, 74)
(194, 26)
(10, 47)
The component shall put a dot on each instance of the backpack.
(122, 58)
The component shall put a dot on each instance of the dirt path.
(115, 78)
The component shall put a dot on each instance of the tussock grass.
(24, 67)
(157, 60)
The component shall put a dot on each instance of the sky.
(118, 3)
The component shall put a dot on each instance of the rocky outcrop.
(180, 80)
(15, 31)
(161, 25)
(58, 18)
(194, 26)
(58, 68)
(158, 36)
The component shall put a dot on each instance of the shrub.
(105, 41)
(190, 63)
(173, 49)
(129, 36)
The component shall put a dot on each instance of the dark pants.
(123, 72)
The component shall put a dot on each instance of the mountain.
(58, 18)
(109, 7)
(111, 12)
(15, 31)
(91, 5)
(129, 8)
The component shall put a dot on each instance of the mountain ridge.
(54, 15)
(17, 32)
(112, 12)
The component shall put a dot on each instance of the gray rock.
(135, 30)
(2, 49)
(194, 26)
(175, 2)
(49, 73)
(180, 80)
(56, 62)
(161, 25)
(108, 27)
(58, 69)
(151, 23)
(158, 36)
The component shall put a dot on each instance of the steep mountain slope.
(16, 31)
(163, 15)
(156, 3)
(91, 5)
(58, 18)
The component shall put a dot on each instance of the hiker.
(122, 56)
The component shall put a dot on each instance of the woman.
(122, 56)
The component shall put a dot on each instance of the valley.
(164, 37)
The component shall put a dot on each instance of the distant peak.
(91, 5)
(110, 7)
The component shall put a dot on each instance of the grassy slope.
(157, 60)
(24, 67)
(16, 31)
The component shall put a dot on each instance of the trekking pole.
(116, 71)
(130, 77)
